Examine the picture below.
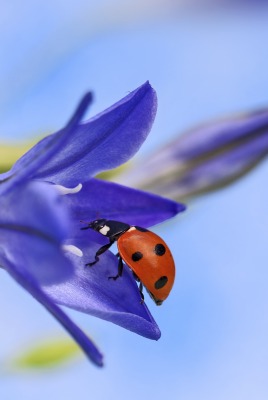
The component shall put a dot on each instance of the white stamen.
(65, 190)
(104, 230)
(72, 249)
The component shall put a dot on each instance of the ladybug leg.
(141, 292)
(99, 252)
(120, 269)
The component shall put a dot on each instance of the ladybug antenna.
(85, 227)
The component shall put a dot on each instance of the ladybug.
(145, 253)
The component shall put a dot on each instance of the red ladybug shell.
(150, 259)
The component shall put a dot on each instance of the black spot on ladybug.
(159, 249)
(137, 256)
(141, 229)
(161, 282)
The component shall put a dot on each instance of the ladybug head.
(97, 225)
(111, 229)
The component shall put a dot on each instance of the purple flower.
(204, 159)
(42, 245)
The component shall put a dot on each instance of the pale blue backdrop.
(214, 325)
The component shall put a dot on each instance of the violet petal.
(91, 291)
(34, 221)
(27, 281)
(102, 199)
(32, 227)
(28, 165)
(105, 141)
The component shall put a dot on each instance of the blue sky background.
(214, 324)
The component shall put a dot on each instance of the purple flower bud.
(204, 159)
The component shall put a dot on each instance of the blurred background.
(205, 62)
